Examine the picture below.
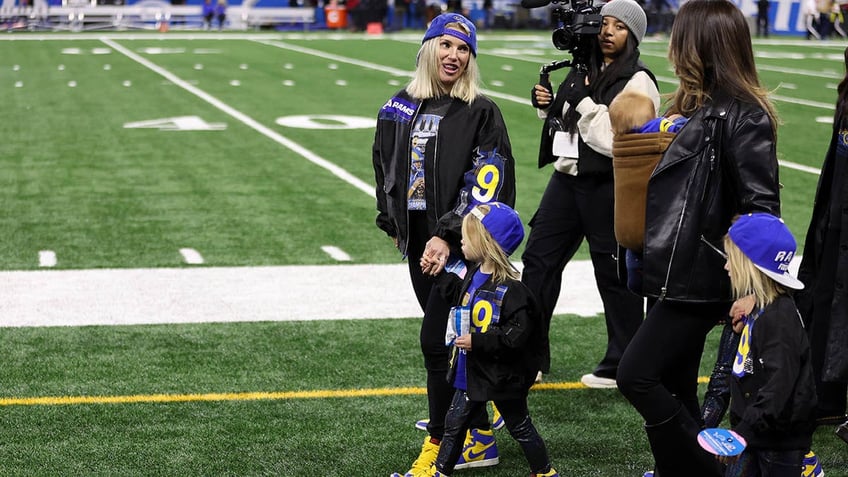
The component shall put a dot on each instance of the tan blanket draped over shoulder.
(634, 158)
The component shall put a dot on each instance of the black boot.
(677, 453)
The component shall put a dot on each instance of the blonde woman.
(440, 148)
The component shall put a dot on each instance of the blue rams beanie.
(438, 27)
(503, 224)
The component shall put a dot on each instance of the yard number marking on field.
(179, 123)
(247, 120)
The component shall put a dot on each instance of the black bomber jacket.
(773, 404)
(473, 164)
(503, 360)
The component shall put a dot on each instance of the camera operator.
(578, 201)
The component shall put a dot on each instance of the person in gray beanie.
(578, 201)
(630, 13)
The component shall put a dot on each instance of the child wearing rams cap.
(772, 387)
(497, 359)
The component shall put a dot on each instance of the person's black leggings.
(659, 369)
(432, 336)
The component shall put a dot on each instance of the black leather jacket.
(835, 366)
(722, 163)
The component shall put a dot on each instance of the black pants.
(757, 463)
(432, 336)
(831, 395)
(659, 370)
(762, 25)
(658, 374)
(574, 207)
(516, 418)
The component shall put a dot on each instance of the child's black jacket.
(503, 361)
(773, 407)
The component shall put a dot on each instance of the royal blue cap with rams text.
(769, 244)
(439, 27)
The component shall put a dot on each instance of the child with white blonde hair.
(496, 351)
(772, 387)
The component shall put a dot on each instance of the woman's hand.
(463, 342)
(435, 256)
(542, 96)
(576, 89)
(429, 265)
(741, 308)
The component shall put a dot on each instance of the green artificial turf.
(74, 180)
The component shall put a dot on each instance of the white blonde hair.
(481, 243)
(747, 279)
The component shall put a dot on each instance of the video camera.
(579, 23)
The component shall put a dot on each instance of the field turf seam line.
(254, 396)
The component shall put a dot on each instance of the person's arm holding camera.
(542, 96)
(594, 123)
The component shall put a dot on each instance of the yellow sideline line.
(249, 396)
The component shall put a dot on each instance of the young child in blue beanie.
(496, 354)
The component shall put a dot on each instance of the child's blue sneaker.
(812, 466)
(480, 450)
(497, 419)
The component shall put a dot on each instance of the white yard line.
(246, 120)
(237, 294)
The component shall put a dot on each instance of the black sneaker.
(842, 431)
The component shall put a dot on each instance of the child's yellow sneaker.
(431, 472)
(497, 419)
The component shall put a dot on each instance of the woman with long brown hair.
(722, 163)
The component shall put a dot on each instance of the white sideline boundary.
(234, 294)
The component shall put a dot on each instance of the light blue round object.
(722, 442)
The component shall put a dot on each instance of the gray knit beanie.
(630, 13)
